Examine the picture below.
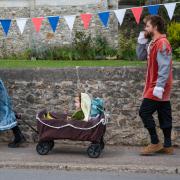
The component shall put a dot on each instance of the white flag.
(120, 15)
(21, 22)
(70, 21)
(170, 9)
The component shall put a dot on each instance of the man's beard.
(149, 35)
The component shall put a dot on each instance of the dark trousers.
(17, 133)
(163, 108)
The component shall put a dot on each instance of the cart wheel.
(43, 148)
(51, 143)
(94, 150)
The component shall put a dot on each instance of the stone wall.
(121, 88)
(15, 42)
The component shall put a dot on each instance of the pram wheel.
(94, 150)
(43, 147)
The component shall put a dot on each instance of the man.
(8, 118)
(156, 95)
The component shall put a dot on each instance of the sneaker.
(17, 143)
(167, 150)
(151, 149)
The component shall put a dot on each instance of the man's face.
(149, 30)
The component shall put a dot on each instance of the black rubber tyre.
(94, 150)
(43, 148)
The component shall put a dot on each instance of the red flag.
(37, 23)
(137, 11)
(86, 18)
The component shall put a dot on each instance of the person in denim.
(8, 118)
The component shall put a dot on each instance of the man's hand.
(158, 92)
(142, 38)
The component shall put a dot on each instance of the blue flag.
(53, 20)
(104, 17)
(153, 10)
(6, 23)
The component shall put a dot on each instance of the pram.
(61, 128)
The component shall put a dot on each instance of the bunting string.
(87, 17)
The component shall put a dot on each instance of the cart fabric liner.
(61, 128)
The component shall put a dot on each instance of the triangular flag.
(120, 13)
(6, 23)
(104, 17)
(37, 23)
(53, 20)
(70, 21)
(153, 9)
(170, 7)
(21, 22)
(137, 11)
(86, 18)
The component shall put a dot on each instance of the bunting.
(37, 23)
(120, 13)
(70, 21)
(6, 23)
(153, 9)
(21, 23)
(104, 17)
(137, 13)
(53, 20)
(87, 17)
(170, 7)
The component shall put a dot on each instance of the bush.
(177, 54)
(127, 46)
(173, 32)
(82, 48)
(88, 48)
(83, 44)
(102, 48)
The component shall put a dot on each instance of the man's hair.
(156, 21)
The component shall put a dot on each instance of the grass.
(61, 64)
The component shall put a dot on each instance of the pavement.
(74, 157)
(33, 174)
